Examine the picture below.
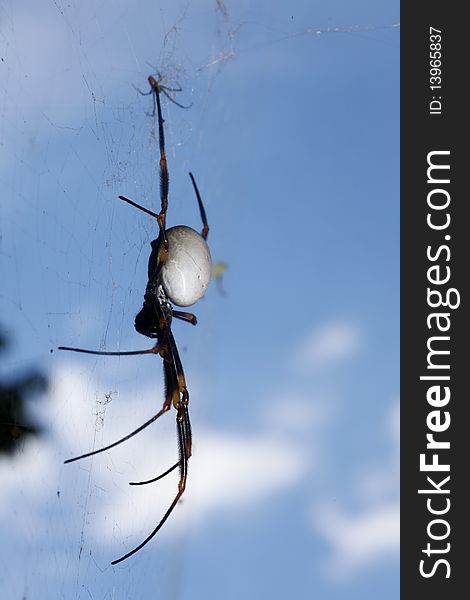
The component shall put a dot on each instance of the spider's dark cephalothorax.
(179, 271)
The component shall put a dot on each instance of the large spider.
(179, 271)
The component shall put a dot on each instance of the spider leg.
(141, 92)
(164, 181)
(186, 422)
(181, 421)
(156, 86)
(164, 252)
(155, 89)
(183, 390)
(185, 316)
(151, 91)
(183, 424)
(163, 164)
(179, 384)
(171, 89)
(154, 104)
(142, 208)
(166, 407)
(161, 476)
(205, 229)
(105, 353)
(172, 396)
(158, 82)
(169, 399)
(164, 90)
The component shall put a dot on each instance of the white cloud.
(381, 481)
(360, 539)
(227, 473)
(230, 472)
(331, 343)
(294, 413)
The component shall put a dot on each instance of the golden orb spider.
(179, 271)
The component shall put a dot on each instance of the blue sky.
(293, 374)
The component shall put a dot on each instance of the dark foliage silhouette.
(16, 425)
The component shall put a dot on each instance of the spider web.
(74, 135)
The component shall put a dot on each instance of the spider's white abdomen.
(186, 273)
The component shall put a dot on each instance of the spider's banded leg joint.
(157, 349)
(184, 396)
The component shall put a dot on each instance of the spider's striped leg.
(174, 376)
(172, 396)
(202, 211)
(169, 399)
(182, 442)
(183, 394)
(164, 180)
